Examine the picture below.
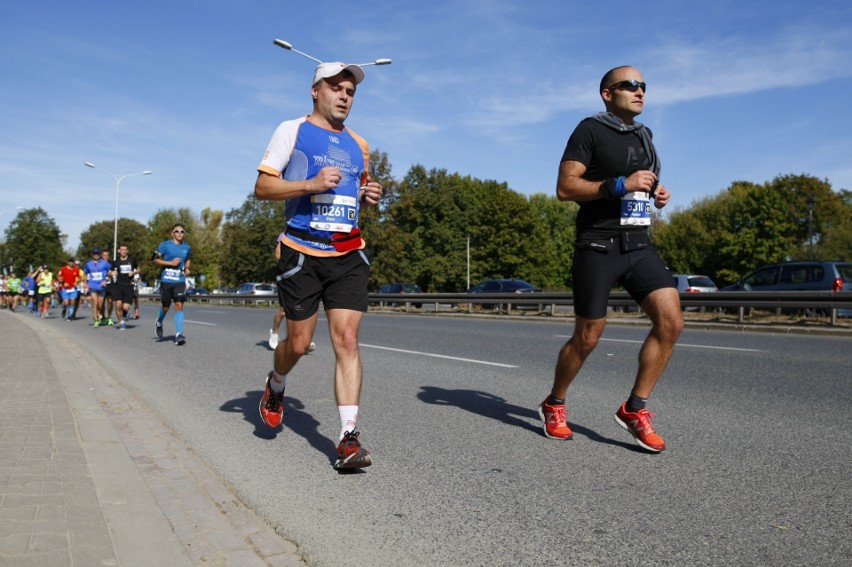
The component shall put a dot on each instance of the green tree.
(818, 215)
(100, 235)
(749, 225)
(208, 240)
(248, 241)
(431, 212)
(425, 229)
(380, 171)
(511, 241)
(32, 238)
(835, 239)
(557, 219)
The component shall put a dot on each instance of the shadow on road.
(495, 407)
(296, 419)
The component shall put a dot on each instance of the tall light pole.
(468, 262)
(810, 203)
(117, 185)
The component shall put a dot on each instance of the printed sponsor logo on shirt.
(326, 161)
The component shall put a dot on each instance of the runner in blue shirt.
(320, 168)
(28, 290)
(175, 258)
(96, 271)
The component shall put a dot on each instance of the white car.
(254, 288)
(690, 283)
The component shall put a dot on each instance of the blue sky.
(737, 90)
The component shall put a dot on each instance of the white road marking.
(676, 345)
(441, 356)
(200, 323)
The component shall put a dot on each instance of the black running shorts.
(172, 292)
(599, 265)
(339, 281)
(122, 293)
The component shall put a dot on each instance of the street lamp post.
(468, 262)
(810, 203)
(117, 185)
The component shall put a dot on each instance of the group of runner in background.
(111, 288)
(108, 287)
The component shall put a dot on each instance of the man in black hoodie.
(611, 169)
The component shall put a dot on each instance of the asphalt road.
(757, 470)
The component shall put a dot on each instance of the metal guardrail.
(222, 298)
(829, 302)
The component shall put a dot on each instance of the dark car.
(798, 276)
(402, 288)
(508, 285)
(197, 291)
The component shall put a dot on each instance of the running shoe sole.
(354, 461)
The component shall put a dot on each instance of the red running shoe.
(638, 424)
(271, 408)
(350, 453)
(554, 421)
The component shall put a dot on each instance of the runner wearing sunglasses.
(175, 257)
(611, 169)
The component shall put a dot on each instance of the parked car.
(508, 285)
(691, 283)
(402, 288)
(798, 276)
(254, 288)
(197, 291)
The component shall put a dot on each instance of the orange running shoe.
(638, 424)
(271, 408)
(554, 421)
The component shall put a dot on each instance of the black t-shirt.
(125, 270)
(606, 153)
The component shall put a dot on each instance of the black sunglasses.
(631, 86)
(179, 232)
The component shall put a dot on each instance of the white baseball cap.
(326, 70)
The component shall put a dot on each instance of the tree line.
(433, 227)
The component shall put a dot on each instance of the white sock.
(278, 382)
(348, 416)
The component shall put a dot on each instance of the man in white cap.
(321, 169)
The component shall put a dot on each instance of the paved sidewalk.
(90, 476)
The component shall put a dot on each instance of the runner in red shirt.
(69, 276)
